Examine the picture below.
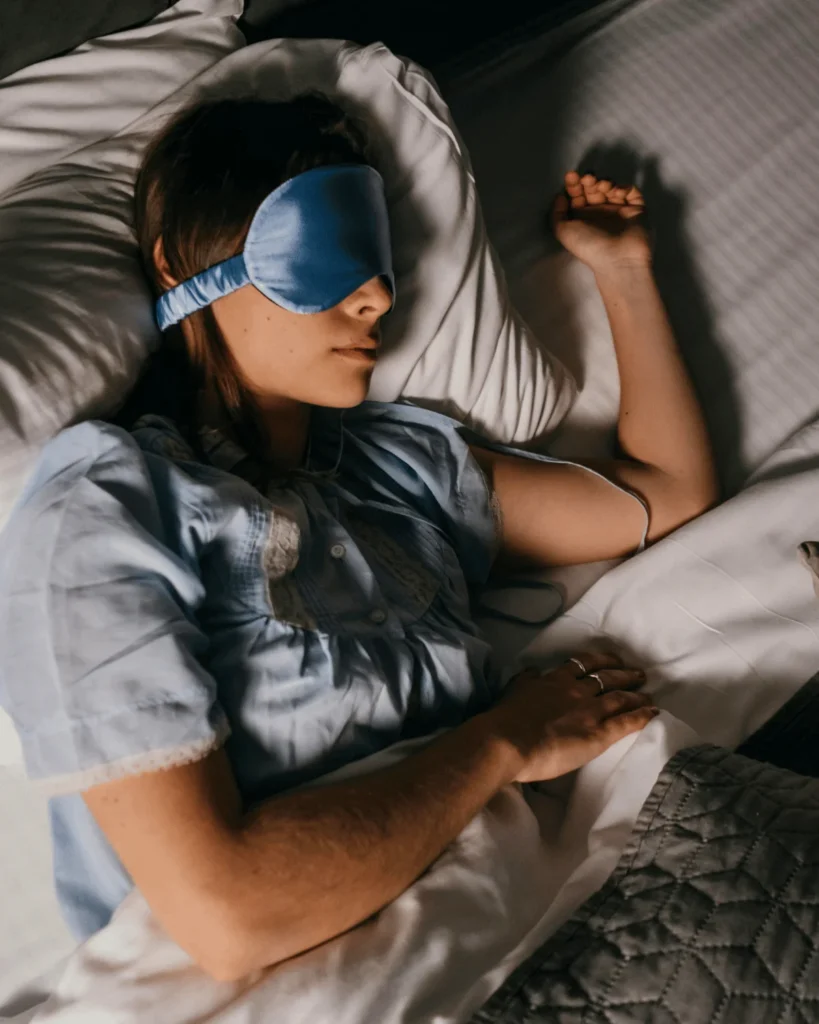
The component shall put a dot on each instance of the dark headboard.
(438, 33)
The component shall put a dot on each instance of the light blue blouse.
(154, 607)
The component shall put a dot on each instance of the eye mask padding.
(312, 242)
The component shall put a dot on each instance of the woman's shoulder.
(402, 412)
(96, 499)
(63, 498)
(95, 454)
(407, 431)
(73, 453)
(403, 427)
(420, 459)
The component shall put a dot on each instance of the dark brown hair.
(201, 181)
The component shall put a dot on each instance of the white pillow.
(75, 313)
(75, 317)
(51, 110)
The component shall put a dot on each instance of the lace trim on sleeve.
(149, 761)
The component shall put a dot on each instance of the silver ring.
(579, 663)
(596, 677)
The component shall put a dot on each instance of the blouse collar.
(325, 444)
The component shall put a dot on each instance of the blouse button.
(338, 551)
(378, 615)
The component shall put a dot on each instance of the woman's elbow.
(225, 957)
(227, 944)
(702, 497)
(684, 504)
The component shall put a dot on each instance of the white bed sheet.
(33, 937)
(721, 97)
(714, 104)
(434, 955)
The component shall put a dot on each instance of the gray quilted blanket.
(711, 917)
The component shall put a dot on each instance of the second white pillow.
(453, 341)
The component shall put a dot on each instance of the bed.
(713, 107)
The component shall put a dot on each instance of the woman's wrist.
(624, 271)
(499, 743)
(626, 284)
(504, 738)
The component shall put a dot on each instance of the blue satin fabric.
(312, 242)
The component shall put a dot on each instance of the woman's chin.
(349, 390)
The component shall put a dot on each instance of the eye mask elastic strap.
(201, 290)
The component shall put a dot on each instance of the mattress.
(713, 107)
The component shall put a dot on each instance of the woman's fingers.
(607, 732)
(628, 722)
(616, 679)
(576, 186)
(618, 702)
(572, 183)
(590, 661)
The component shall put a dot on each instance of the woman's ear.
(163, 273)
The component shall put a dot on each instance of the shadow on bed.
(679, 281)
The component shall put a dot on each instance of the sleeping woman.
(261, 577)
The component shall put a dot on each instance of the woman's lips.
(366, 354)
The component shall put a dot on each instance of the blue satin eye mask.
(312, 242)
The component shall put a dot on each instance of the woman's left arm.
(556, 514)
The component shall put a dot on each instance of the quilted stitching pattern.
(711, 916)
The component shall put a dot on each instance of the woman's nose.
(371, 301)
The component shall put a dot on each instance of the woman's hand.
(600, 223)
(560, 720)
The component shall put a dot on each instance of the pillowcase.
(76, 317)
(52, 110)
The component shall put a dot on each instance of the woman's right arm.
(241, 891)
(101, 668)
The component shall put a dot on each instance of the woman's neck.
(286, 424)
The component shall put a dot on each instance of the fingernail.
(654, 711)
